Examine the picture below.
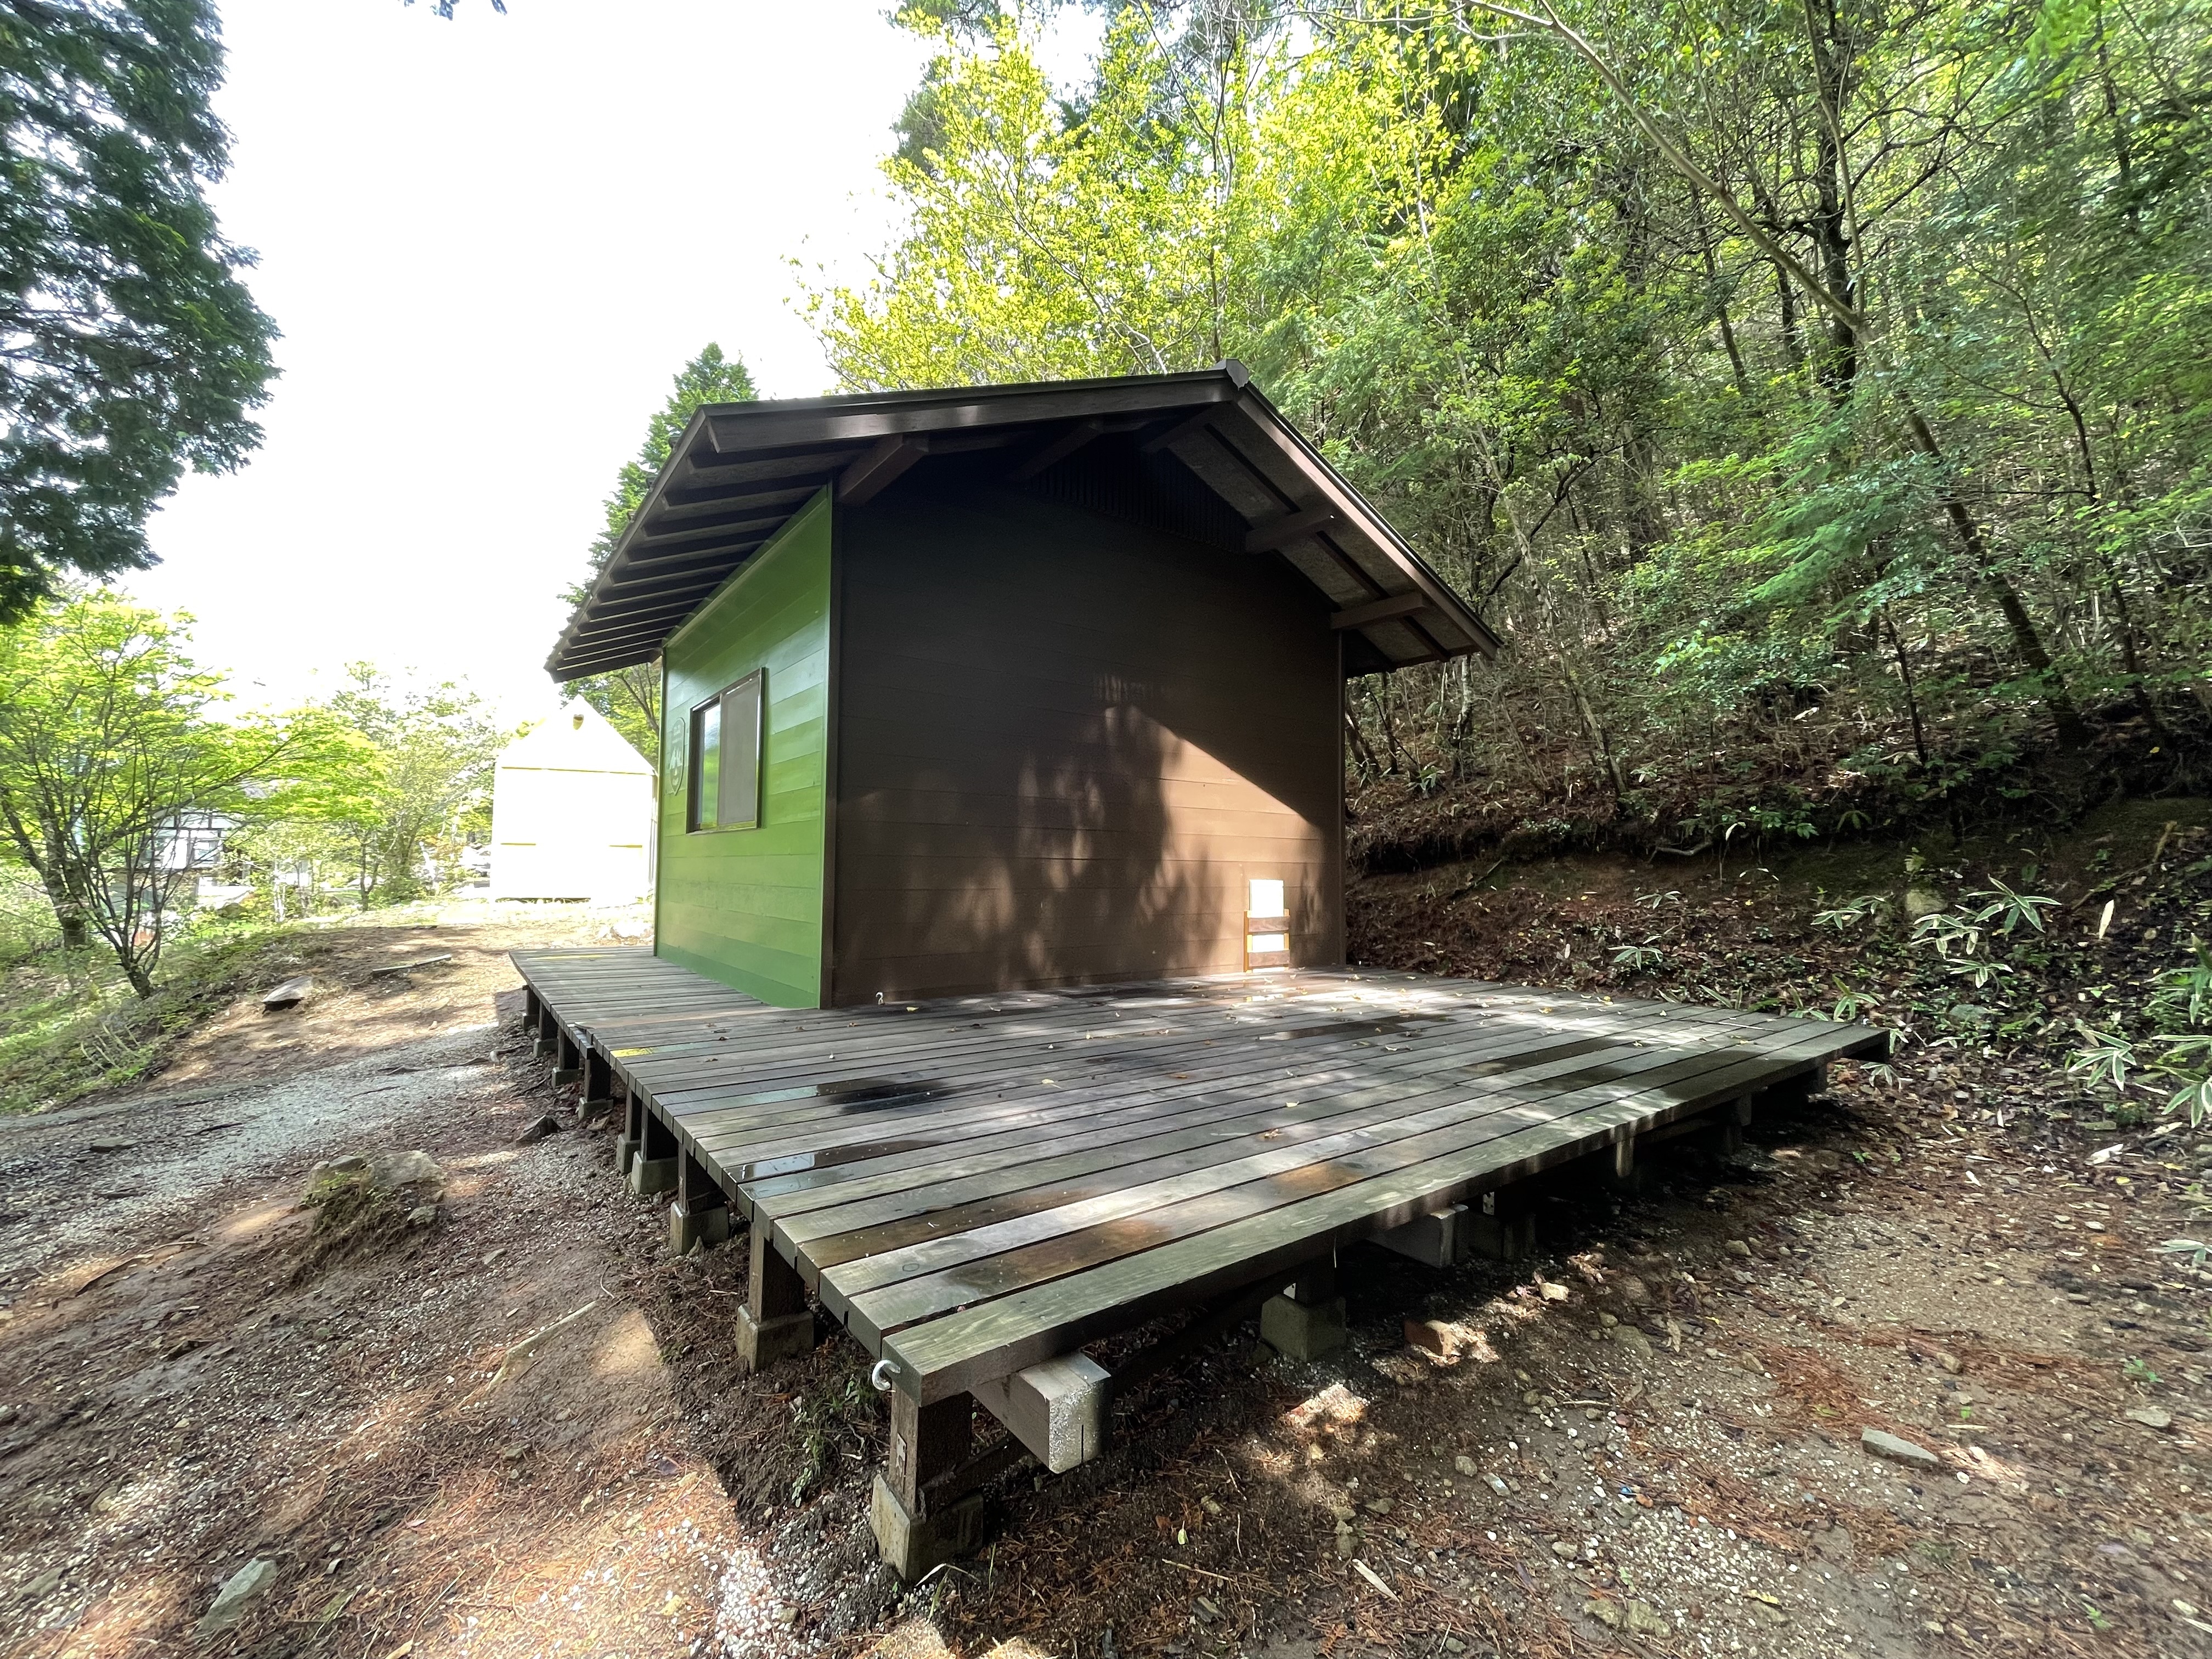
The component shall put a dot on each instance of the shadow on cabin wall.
(1066, 743)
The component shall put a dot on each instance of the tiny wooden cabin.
(984, 689)
(572, 813)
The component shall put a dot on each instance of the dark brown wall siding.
(1064, 744)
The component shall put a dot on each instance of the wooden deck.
(974, 1185)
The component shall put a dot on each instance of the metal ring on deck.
(881, 1377)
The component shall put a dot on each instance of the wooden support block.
(688, 1228)
(1434, 1241)
(765, 1342)
(912, 1545)
(700, 1215)
(533, 1008)
(1059, 1409)
(654, 1167)
(928, 1445)
(1302, 1330)
(1307, 1320)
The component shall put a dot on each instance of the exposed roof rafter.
(740, 471)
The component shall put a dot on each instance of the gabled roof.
(740, 470)
(578, 739)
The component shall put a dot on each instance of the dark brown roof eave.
(739, 471)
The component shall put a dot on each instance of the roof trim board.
(739, 472)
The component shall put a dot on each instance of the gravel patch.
(75, 1182)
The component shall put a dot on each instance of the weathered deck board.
(974, 1184)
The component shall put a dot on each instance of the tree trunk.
(1719, 299)
(1389, 726)
(77, 932)
(1601, 739)
(1911, 693)
(1363, 753)
(1830, 223)
(2072, 731)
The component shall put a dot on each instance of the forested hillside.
(1814, 395)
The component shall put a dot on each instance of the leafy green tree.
(630, 697)
(1044, 241)
(1809, 393)
(422, 790)
(130, 349)
(110, 746)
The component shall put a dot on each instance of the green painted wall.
(745, 906)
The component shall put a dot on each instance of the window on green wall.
(726, 758)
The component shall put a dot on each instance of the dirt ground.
(1648, 1439)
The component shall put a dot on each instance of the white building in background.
(572, 813)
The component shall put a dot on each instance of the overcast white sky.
(489, 244)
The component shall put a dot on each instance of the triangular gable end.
(577, 739)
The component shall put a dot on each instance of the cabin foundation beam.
(1307, 1319)
(701, 1214)
(775, 1322)
(916, 1528)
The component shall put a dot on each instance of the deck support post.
(1619, 1168)
(1501, 1228)
(547, 1029)
(653, 1167)
(1307, 1319)
(569, 1068)
(928, 1443)
(700, 1215)
(629, 1131)
(1723, 1136)
(597, 1094)
(775, 1322)
(533, 1007)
